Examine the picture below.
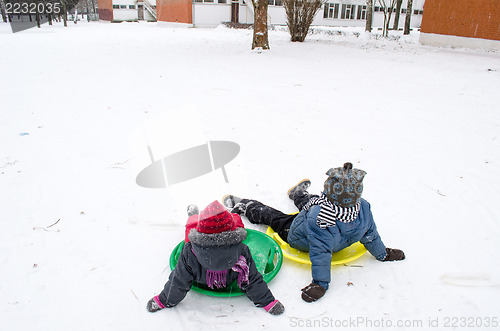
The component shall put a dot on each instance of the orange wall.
(464, 18)
(180, 11)
(105, 9)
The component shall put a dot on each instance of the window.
(361, 12)
(123, 6)
(403, 11)
(221, 1)
(377, 8)
(116, 6)
(131, 6)
(331, 10)
(348, 12)
(415, 12)
(274, 2)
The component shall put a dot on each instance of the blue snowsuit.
(302, 233)
(306, 235)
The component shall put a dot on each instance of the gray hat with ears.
(344, 186)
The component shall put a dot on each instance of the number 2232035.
(21, 8)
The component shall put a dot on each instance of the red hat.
(215, 219)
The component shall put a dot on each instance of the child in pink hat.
(215, 255)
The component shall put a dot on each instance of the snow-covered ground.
(423, 122)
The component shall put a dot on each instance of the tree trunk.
(88, 11)
(369, 15)
(388, 22)
(260, 36)
(409, 9)
(398, 11)
(49, 16)
(37, 14)
(299, 17)
(64, 12)
(4, 15)
(383, 8)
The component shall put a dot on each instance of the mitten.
(154, 305)
(275, 308)
(313, 292)
(394, 255)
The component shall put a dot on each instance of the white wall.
(378, 17)
(433, 39)
(276, 14)
(124, 14)
(130, 14)
(246, 13)
(212, 14)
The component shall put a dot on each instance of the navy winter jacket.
(218, 251)
(306, 235)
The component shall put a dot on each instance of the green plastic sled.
(265, 251)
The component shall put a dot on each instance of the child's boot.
(236, 204)
(303, 185)
(230, 201)
(192, 210)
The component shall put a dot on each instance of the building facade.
(210, 13)
(461, 23)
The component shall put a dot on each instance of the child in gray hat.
(326, 223)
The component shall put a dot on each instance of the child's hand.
(154, 304)
(275, 308)
(313, 292)
(394, 255)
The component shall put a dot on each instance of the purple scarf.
(218, 278)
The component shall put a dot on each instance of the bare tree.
(369, 15)
(409, 9)
(387, 8)
(399, 3)
(64, 11)
(299, 16)
(2, 9)
(260, 35)
(37, 14)
(48, 15)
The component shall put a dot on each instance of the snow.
(422, 121)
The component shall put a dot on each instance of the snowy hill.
(83, 247)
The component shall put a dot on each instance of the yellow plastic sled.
(349, 254)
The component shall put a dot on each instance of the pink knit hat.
(215, 219)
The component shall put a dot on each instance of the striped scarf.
(330, 213)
